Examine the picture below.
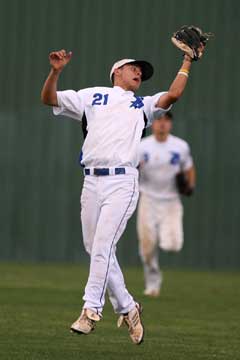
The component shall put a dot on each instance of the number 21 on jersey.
(100, 99)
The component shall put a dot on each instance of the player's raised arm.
(192, 41)
(177, 87)
(58, 60)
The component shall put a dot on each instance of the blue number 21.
(100, 99)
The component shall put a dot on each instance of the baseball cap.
(146, 67)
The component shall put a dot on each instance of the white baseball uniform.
(114, 121)
(160, 211)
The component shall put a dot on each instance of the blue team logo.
(138, 103)
(145, 157)
(175, 158)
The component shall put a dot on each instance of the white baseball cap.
(146, 67)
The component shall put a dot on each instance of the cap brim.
(146, 67)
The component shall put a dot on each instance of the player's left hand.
(59, 59)
(191, 40)
(183, 185)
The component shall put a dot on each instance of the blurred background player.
(159, 221)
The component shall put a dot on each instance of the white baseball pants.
(107, 202)
(159, 224)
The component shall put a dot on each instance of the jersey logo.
(138, 103)
(145, 157)
(175, 158)
(100, 99)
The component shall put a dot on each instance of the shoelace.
(90, 322)
(135, 320)
(131, 323)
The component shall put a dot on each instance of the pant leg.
(90, 211)
(119, 296)
(152, 274)
(171, 229)
(119, 196)
(148, 245)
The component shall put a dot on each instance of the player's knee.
(173, 244)
(99, 258)
(101, 254)
(177, 247)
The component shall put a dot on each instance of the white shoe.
(134, 324)
(152, 292)
(86, 322)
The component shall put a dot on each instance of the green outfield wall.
(39, 175)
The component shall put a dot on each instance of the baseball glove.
(191, 40)
(183, 185)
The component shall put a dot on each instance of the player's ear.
(117, 72)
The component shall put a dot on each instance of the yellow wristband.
(184, 70)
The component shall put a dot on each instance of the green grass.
(196, 317)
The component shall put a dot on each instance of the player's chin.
(135, 85)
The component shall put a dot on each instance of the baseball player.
(113, 119)
(163, 158)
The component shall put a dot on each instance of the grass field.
(196, 317)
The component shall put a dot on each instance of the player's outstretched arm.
(178, 85)
(58, 60)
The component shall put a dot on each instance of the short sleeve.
(187, 161)
(152, 112)
(70, 104)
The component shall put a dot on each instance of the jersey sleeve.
(70, 104)
(187, 160)
(152, 112)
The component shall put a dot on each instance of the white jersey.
(114, 121)
(159, 164)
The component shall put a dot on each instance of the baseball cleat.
(86, 322)
(152, 292)
(133, 321)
